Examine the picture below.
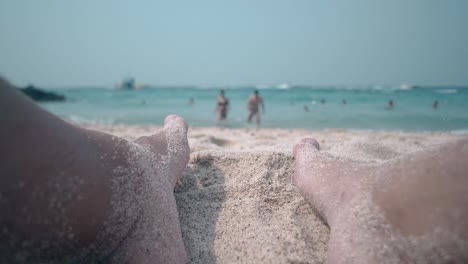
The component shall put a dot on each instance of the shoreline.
(461, 131)
(148, 127)
(283, 140)
(236, 200)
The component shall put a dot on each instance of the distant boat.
(126, 84)
(129, 84)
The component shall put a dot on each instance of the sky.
(64, 43)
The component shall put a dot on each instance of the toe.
(325, 181)
(178, 149)
(176, 121)
(307, 174)
(306, 144)
(306, 154)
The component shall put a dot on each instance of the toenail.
(310, 141)
(176, 118)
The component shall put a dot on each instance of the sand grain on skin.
(236, 200)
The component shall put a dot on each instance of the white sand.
(236, 201)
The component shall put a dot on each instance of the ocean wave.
(446, 91)
(462, 131)
(284, 86)
(80, 120)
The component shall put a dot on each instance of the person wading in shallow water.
(253, 105)
(222, 107)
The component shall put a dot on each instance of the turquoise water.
(365, 108)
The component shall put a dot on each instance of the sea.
(306, 107)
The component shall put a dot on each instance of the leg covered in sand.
(409, 210)
(72, 195)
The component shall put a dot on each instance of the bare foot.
(410, 210)
(157, 162)
(96, 198)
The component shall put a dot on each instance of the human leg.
(68, 193)
(218, 116)
(411, 209)
(249, 117)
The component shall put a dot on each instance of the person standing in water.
(253, 103)
(436, 103)
(390, 104)
(191, 101)
(222, 107)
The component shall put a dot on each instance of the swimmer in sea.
(390, 104)
(436, 103)
(222, 107)
(191, 101)
(253, 104)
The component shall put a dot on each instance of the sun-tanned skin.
(72, 195)
(253, 105)
(413, 209)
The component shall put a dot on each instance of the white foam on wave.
(463, 131)
(447, 91)
(80, 120)
(283, 86)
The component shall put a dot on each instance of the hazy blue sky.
(88, 42)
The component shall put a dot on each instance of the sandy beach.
(236, 200)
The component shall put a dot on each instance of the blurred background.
(122, 62)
